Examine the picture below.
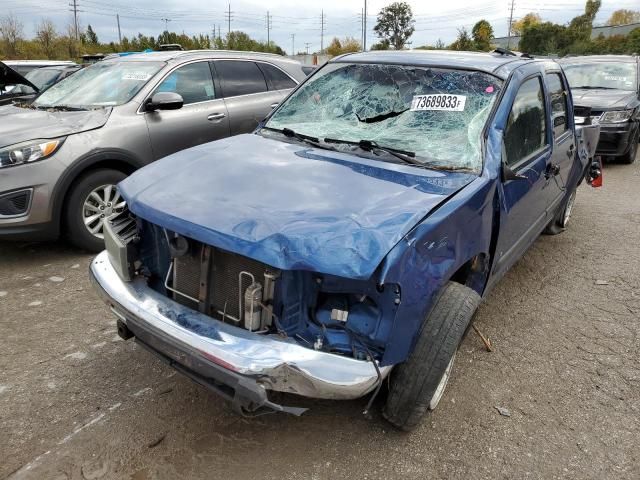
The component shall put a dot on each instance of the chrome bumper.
(270, 361)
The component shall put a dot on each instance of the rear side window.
(276, 78)
(240, 77)
(192, 81)
(526, 131)
(558, 103)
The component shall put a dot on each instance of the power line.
(364, 28)
(321, 31)
(228, 15)
(74, 9)
(119, 32)
(166, 23)
(510, 22)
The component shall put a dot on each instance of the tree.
(92, 38)
(46, 36)
(580, 27)
(347, 45)
(482, 33)
(439, 45)
(546, 38)
(381, 45)
(530, 19)
(623, 17)
(11, 32)
(463, 41)
(395, 24)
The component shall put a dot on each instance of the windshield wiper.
(370, 145)
(308, 139)
(594, 87)
(380, 118)
(63, 108)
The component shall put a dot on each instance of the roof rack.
(504, 51)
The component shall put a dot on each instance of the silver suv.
(62, 155)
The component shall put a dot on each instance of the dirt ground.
(77, 402)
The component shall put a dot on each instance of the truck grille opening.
(212, 276)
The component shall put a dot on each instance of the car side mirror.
(164, 101)
(506, 172)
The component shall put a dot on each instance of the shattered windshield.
(436, 115)
(608, 75)
(99, 85)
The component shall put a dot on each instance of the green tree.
(518, 26)
(463, 41)
(11, 33)
(381, 45)
(580, 27)
(395, 24)
(624, 17)
(482, 33)
(47, 37)
(346, 45)
(92, 38)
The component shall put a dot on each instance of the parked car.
(35, 82)
(25, 66)
(606, 90)
(62, 155)
(353, 235)
(13, 86)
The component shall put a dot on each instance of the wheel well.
(473, 273)
(120, 165)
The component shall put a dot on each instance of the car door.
(564, 142)
(246, 94)
(202, 118)
(526, 154)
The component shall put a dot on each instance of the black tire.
(414, 383)
(75, 229)
(630, 156)
(562, 217)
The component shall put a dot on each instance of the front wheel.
(630, 156)
(419, 384)
(92, 200)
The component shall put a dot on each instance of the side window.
(276, 78)
(193, 82)
(526, 130)
(240, 77)
(558, 103)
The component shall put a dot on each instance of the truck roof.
(495, 63)
(165, 56)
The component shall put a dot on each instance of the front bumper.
(615, 139)
(231, 359)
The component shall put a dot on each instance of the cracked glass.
(373, 102)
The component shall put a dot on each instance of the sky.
(294, 24)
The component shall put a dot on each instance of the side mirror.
(507, 173)
(164, 101)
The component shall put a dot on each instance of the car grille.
(221, 289)
(15, 203)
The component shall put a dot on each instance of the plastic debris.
(503, 411)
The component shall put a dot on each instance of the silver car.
(62, 155)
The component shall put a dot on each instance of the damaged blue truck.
(352, 236)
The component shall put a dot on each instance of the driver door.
(202, 118)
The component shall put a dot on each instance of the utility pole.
(119, 32)
(268, 28)
(321, 31)
(228, 15)
(510, 22)
(166, 23)
(364, 28)
(293, 43)
(306, 45)
(74, 8)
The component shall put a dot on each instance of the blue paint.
(378, 239)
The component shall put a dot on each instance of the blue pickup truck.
(352, 236)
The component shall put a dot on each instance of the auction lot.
(77, 402)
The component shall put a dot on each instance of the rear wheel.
(92, 200)
(630, 156)
(419, 384)
(562, 217)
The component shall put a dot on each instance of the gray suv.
(62, 155)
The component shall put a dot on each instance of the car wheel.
(92, 200)
(630, 156)
(562, 217)
(418, 384)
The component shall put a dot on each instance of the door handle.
(216, 116)
(274, 105)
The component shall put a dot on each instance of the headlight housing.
(28, 152)
(616, 116)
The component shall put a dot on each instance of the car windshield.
(102, 84)
(606, 75)
(43, 78)
(435, 115)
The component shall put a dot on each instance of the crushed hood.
(8, 76)
(602, 99)
(288, 205)
(20, 124)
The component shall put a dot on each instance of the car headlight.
(616, 116)
(28, 152)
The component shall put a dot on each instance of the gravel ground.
(77, 402)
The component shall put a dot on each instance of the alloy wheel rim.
(437, 395)
(102, 203)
